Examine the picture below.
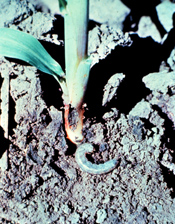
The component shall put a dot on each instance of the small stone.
(71, 173)
(103, 147)
(155, 130)
(74, 218)
(106, 200)
(111, 87)
(135, 146)
(62, 219)
(142, 109)
(101, 215)
(67, 210)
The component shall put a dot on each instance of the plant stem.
(77, 65)
(76, 39)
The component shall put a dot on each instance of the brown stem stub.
(74, 123)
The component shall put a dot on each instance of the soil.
(130, 115)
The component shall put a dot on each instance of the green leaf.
(62, 5)
(19, 45)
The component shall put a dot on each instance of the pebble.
(101, 215)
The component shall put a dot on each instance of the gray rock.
(101, 216)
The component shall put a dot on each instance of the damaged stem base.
(74, 123)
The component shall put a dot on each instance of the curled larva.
(87, 166)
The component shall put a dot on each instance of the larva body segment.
(87, 166)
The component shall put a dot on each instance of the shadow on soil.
(142, 8)
(168, 141)
(11, 124)
(144, 56)
(4, 142)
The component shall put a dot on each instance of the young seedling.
(16, 44)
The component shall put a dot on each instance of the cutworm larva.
(87, 166)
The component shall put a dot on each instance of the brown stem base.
(74, 124)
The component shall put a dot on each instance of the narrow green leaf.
(62, 5)
(19, 45)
